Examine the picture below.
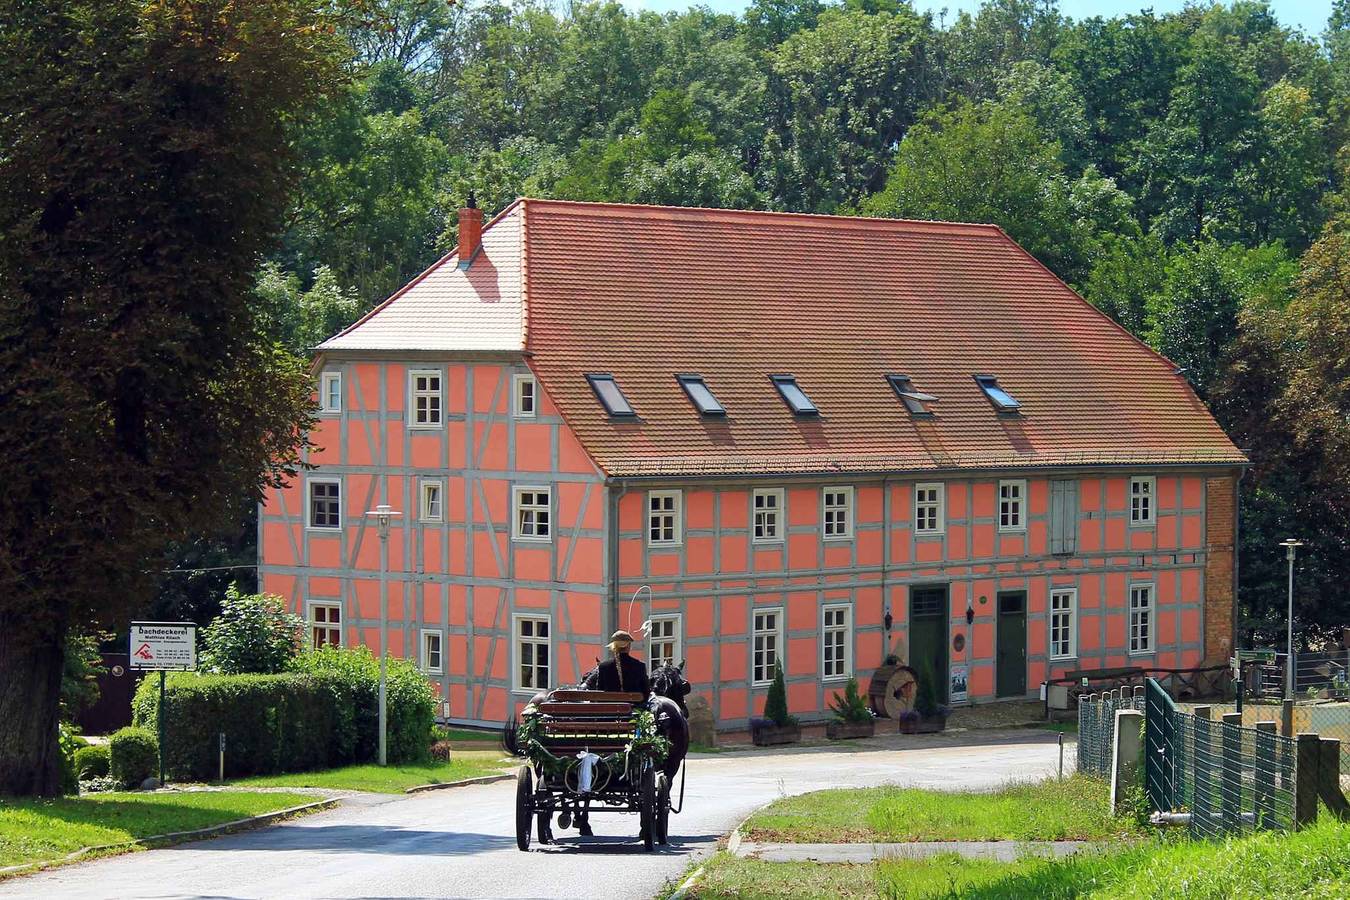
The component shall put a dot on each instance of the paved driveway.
(461, 843)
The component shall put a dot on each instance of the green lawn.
(1310, 864)
(477, 736)
(392, 779)
(42, 830)
(1072, 809)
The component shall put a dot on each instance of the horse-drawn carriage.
(600, 751)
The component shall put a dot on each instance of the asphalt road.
(461, 842)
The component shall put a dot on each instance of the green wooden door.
(928, 635)
(1010, 665)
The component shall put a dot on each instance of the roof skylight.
(913, 398)
(613, 400)
(700, 395)
(1002, 400)
(794, 396)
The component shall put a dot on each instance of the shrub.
(926, 693)
(852, 706)
(79, 677)
(440, 751)
(254, 634)
(271, 723)
(92, 762)
(133, 755)
(322, 713)
(69, 743)
(775, 704)
(353, 676)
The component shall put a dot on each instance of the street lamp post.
(384, 514)
(1291, 547)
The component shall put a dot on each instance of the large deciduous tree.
(145, 169)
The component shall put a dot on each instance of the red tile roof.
(644, 293)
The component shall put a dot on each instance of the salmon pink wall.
(464, 575)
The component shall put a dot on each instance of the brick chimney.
(470, 232)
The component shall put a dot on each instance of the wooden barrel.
(892, 689)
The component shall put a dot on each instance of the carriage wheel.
(662, 809)
(647, 809)
(524, 806)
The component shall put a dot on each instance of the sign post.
(163, 647)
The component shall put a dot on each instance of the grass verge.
(393, 779)
(1072, 809)
(1314, 864)
(44, 830)
(474, 735)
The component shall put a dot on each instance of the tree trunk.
(30, 698)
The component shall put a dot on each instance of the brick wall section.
(1220, 528)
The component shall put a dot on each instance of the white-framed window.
(330, 392)
(426, 402)
(663, 517)
(664, 642)
(836, 642)
(532, 513)
(766, 644)
(524, 393)
(325, 624)
(432, 506)
(836, 504)
(1141, 618)
(1012, 506)
(767, 527)
(1063, 623)
(1142, 490)
(433, 651)
(534, 652)
(929, 515)
(323, 504)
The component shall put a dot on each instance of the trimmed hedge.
(272, 723)
(133, 755)
(93, 761)
(323, 715)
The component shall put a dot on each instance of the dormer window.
(611, 398)
(913, 398)
(700, 395)
(794, 396)
(1002, 400)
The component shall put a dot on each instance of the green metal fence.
(1097, 727)
(1229, 779)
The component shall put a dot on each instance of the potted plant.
(928, 715)
(777, 726)
(852, 716)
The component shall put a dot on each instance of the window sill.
(518, 539)
(834, 679)
(1021, 530)
(930, 534)
(665, 545)
(836, 538)
(324, 529)
(440, 426)
(767, 542)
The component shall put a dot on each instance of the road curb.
(485, 779)
(177, 837)
(687, 885)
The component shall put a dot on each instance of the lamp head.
(384, 514)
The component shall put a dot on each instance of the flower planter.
(927, 725)
(769, 734)
(841, 731)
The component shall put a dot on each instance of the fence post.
(1202, 803)
(1287, 717)
(1230, 778)
(1124, 755)
(1307, 779)
(1329, 784)
(1265, 774)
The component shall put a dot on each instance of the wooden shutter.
(1063, 516)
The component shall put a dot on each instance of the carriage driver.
(621, 672)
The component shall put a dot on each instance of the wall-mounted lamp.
(888, 620)
(970, 612)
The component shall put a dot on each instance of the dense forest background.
(1184, 172)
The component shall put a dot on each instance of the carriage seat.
(598, 721)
